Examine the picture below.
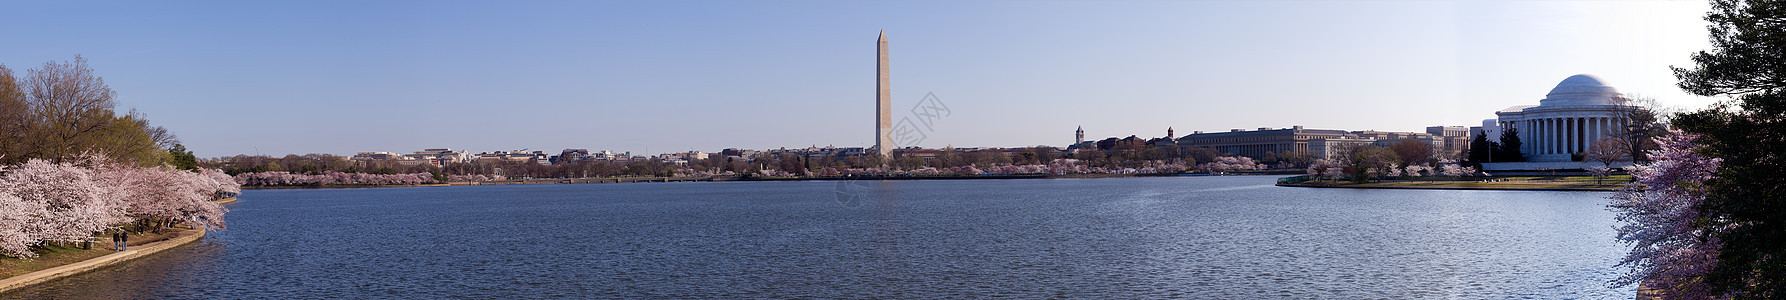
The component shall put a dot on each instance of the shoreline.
(1454, 185)
(735, 178)
(344, 186)
(1451, 187)
(179, 238)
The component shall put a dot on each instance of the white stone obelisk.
(883, 108)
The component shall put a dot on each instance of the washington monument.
(883, 108)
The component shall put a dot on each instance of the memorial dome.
(1583, 89)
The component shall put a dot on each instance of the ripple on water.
(1202, 237)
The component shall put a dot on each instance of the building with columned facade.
(1580, 110)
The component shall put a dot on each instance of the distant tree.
(1372, 160)
(1508, 150)
(985, 158)
(1298, 158)
(1200, 154)
(1607, 151)
(1452, 170)
(1045, 154)
(182, 159)
(1481, 149)
(908, 162)
(1599, 173)
(1230, 163)
(1154, 153)
(1024, 158)
(998, 158)
(946, 158)
(1418, 170)
(1642, 126)
(1325, 168)
(1412, 152)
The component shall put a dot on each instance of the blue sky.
(340, 77)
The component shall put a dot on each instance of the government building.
(1319, 143)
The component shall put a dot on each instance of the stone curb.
(47, 275)
(140, 251)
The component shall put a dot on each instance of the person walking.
(124, 241)
(116, 246)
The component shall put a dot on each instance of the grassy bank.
(50, 257)
(58, 255)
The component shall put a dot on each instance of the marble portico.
(1580, 110)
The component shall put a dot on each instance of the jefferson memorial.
(1580, 110)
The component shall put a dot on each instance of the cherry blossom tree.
(221, 183)
(278, 178)
(73, 205)
(1453, 170)
(195, 204)
(1335, 172)
(1659, 211)
(42, 201)
(1419, 170)
(1322, 167)
(1599, 173)
(1230, 163)
(21, 225)
(160, 193)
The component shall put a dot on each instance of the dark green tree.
(1508, 149)
(1746, 209)
(1481, 149)
(182, 159)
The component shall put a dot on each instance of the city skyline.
(340, 78)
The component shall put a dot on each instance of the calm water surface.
(1204, 237)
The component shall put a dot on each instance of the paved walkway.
(181, 237)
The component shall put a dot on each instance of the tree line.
(306, 169)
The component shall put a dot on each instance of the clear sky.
(246, 77)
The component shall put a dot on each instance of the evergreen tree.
(1508, 150)
(1746, 206)
(181, 158)
(1480, 149)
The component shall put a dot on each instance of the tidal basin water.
(1176, 237)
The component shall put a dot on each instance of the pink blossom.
(70, 203)
(1454, 170)
(1230, 163)
(21, 225)
(332, 177)
(1659, 215)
